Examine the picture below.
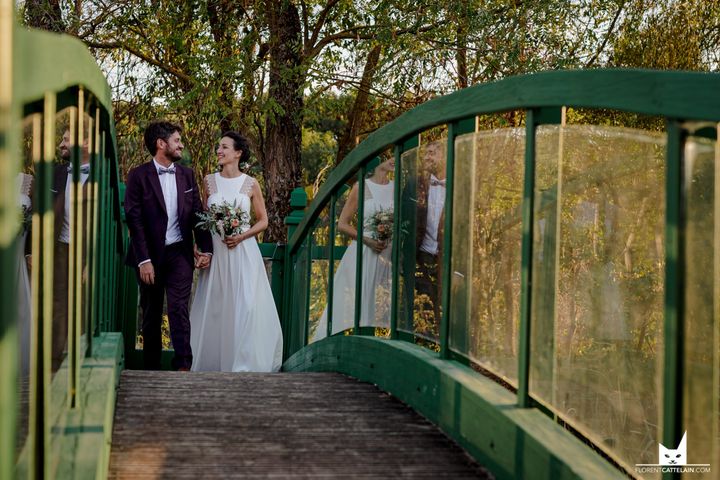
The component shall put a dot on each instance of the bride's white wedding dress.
(24, 186)
(376, 275)
(234, 323)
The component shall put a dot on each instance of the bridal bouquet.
(224, 219)
(380, 225)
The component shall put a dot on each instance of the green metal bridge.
(565, 322)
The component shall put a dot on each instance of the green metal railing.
(44, 348)
(598, 234)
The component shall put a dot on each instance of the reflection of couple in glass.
(235, 326)
(62, 207)
(430, 217)
(376, 257)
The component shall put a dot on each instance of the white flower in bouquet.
(380, 225)
(224, 219)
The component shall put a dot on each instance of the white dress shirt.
(65, 229)
(169, 189)
(435, 203)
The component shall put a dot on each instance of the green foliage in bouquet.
(380, 225)
(224, 219)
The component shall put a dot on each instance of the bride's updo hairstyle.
(239, 143)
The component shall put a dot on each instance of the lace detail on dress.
(247, 186)
(211, 184)
(368, 192)
(27, 182)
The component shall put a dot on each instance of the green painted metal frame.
(394, 307)
(534, 118)
(34, 84)
(455, 129)
(360, 248)
(670, 94)
(331, 264)
(673, 95)
(675, 215)
(9, 226)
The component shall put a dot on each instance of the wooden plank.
(481, 415)
(222, 425)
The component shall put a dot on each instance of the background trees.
(299, 77)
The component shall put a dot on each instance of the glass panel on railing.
(345, 258)
(406, 260)
(61, 192)
(85, 231)
(65, 129)
(25, 182)
(597, 295)
(319, 275)
(701, 395)
(378, 216)
(422, 220)
(487, 234)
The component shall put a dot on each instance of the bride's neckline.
(376, 183)
(230, 178)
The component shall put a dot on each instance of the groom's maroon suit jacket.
(147, 217)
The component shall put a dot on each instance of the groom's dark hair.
(239, 143)
(156, 131)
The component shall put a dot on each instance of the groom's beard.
(175, 156)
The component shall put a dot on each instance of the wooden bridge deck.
(294, 425)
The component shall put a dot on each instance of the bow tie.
(163, 170)
(84, 168)
(434, 182)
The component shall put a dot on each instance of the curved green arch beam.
(678, 95)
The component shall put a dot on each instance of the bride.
(234, 323)
(376, 260)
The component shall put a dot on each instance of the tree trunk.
(281, 162)
(461, 56)
(360, 106)
(44, 14)
(459, 13)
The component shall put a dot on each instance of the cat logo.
(677, 456)
(673, 460)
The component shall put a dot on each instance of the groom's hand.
(147, 273)
(202, 260)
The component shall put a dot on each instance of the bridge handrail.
(677, 97)
(672, 94)
(45, 74)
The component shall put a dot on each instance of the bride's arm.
(350, 209)
(347, 212)
(258, 206)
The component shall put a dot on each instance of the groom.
(161, 202)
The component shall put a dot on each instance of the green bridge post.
(292, 330)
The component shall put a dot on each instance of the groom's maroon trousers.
(173, 276)
(173, 264)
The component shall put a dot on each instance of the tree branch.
(152, 61)
(319, 24)
(594, 58)
(354, 34)
(306, 26)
